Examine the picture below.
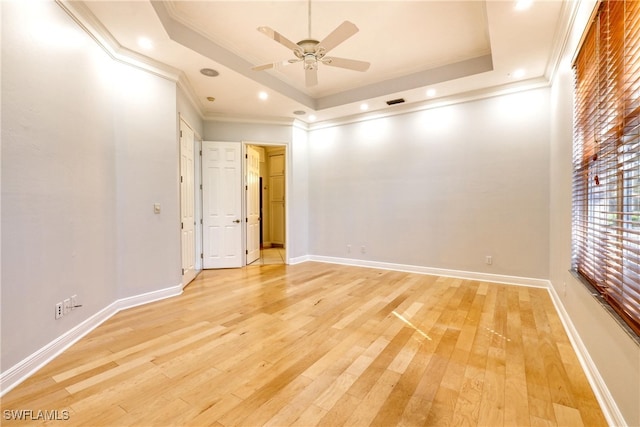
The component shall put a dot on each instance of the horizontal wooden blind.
(606, 158)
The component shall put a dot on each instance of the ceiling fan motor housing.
(310, 61)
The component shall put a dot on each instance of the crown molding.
(86, 20)
(192, 97)
(562, 36)
(278, 121)
(474, 95)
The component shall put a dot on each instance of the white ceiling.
(454, 47)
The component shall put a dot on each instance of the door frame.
(287, 187)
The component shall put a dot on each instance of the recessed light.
(263, 95)
(523, 4)
(364, 107)
(145, 43)
(518, 74)
(210, 98)
(431, 93)
(209, 72)
(299, 113)
(312, 117)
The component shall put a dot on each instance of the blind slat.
(606, 158)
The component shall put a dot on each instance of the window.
(606, 158)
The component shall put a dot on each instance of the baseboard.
(470, 275)
(605, 399)
(22, 370)
(298, 260)
(136, 300)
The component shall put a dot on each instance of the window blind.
(606, 158)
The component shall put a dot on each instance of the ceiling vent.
(395, 101)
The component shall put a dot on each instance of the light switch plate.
(156, 208)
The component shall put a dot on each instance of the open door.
(187, 203)
(222, 204)
(253, 204)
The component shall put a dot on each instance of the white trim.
(470, 275)
(568, 13)
(146, 298)
(22, 370)
(598, 385)
(91, 25)
(459, 98)
(237, 118)
(299, 259)
(190, 94)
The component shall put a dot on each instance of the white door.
(222, 204)
(187, 203)
(253, 204)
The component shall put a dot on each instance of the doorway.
(244, 206)
(265, 186)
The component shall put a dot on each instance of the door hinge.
(201, 152)
(246, 252)
(183, 271)
(246, 220)
(180, 178)
(246, 156)
(246, 187)
(182, 226)
(200, 220)
(201, 256)
(201, 186)
(180, 134)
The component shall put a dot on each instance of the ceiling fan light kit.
(311, 51)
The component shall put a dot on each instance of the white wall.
(299, 194)
(88, 145)
(238, 131)
(439, 188)
(147, 172)
(615, 354)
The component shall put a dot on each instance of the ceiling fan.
(311, 52)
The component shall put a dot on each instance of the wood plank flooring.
(320, 344)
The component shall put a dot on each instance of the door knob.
(237, 221)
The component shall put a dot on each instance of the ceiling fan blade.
(273, 34)
(351, 64)
(337, 36)
(275, 65)
(311, 76)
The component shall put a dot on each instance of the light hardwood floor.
(321, 344)
(270, 256)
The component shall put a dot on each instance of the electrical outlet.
(363, 249)
(66, 306)
(488, 260)
(74, 302)
(59, 310)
